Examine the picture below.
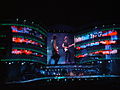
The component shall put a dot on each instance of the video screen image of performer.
(54, 48)
(60, 48)
(66, 48)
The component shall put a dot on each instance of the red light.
(17, 40)
(106, 52)
(36, 43)
(14, 31)
(107, 42)
(112, 34)
(33, 42)
(78, 48)
(15, 51)
(96, 52)
(16, 28)
(27, 52)
(26, 40)
(21, 40)
(20, 28)
(39, 55)
(80, 56)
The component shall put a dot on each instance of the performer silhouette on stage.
(55, 52)
(66, 47)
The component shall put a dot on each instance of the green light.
(38, 48)
(108, 59)
(30, 49)
(28, 26)
(2, 47)
(43, 29)
(2, 35)
(22, 60)
(98, 60)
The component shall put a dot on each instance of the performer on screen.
(66, 46)
(55, 52)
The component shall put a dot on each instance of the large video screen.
(60, 48)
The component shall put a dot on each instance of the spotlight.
(54, 73)
(108, 61)
(22, 63)
(31, 63)
(17, 19)
(32, 22)
(9, 63)
(100, 62)
(24, 20)
(95, 27)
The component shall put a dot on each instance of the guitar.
(57, 51)
(66, 48)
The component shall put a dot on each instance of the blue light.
(59, 77)
(98, 61)
(54, 73)
(83, 46)
(108, 61)
(114, 37)
(42, 72)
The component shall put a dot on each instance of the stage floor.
(66, 77)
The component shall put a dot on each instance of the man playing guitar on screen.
(66, 47)
(55, 52)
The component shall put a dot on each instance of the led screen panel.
(60, 48)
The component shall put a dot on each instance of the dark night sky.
(67, 13)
